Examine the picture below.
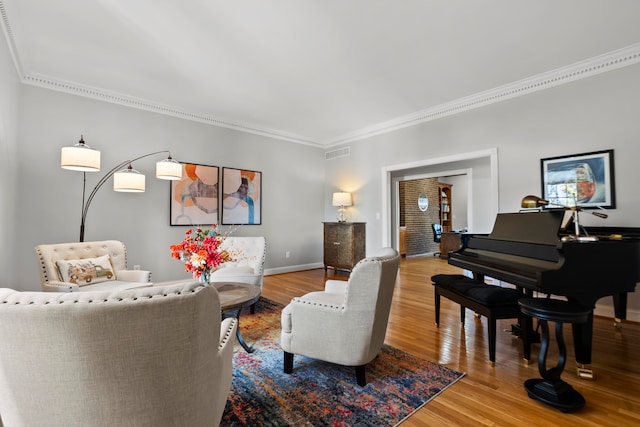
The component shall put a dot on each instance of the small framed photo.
(194, 198)
(585, 180)
(241, 196)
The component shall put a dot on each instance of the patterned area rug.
(320, 393)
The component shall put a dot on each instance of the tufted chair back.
(347, 322)
(155, 356)
(49, 254)
(250, 253)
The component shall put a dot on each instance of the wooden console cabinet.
(344, 244)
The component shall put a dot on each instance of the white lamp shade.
(168, 169)
(80, 158)
(128, 181)
(342, 199)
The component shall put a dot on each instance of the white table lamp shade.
(342, 199)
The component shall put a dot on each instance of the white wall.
(592, 114)
(49, 199)
(9, 100)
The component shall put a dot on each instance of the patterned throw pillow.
(86, 271)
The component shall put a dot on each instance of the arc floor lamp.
(83, 158)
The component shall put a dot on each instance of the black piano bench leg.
(436, 298)
(551, 389)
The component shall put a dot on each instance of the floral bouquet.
(200, 251)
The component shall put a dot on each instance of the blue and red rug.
(320, 393)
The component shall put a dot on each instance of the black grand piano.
(528, 250)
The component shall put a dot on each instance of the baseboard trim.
(292, 268)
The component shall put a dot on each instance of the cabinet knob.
(336, 243)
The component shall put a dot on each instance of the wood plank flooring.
(491, 396)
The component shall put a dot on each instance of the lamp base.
(343, 215)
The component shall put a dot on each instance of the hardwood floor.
(492, 396)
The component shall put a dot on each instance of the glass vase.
(205, 276)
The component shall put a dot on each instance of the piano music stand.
(550, 389)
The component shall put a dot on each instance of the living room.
(587, 102)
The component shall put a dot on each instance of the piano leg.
(620, 309)
(582, 339)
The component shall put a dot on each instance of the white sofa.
(347, 322)
(70, 255)
(155, 356)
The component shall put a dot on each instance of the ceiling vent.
(336, 154)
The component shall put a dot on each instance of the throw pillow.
(86, 271)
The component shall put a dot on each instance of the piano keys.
(528, 250)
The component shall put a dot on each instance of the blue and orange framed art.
(241, 196)
(194, 198)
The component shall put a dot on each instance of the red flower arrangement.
(200, 251)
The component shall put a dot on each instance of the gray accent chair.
(155, 356)
(347, 322)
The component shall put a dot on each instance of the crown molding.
(597, 65)
(600, 64)
(142, 104)
(8, 33)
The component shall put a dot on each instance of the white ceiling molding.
(6, 29)
(600, 64)
(116, 98)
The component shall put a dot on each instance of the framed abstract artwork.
(585, 180)
(241, 196)
(194, 198)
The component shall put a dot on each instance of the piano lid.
(529, 227)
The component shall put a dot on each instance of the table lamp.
(342, 199)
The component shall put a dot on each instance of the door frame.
(388, 181)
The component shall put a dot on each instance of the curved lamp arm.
(105, 178)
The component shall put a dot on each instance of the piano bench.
(490, 301)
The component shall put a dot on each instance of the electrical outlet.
(136, 267)
(287, 254)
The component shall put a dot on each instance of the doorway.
(481, 170)
(424, 201)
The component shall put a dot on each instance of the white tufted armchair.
(248, 264)
(347, 322)
(51, 257)
(155, 356)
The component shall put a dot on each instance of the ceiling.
(312, 71)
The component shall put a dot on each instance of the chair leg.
(361, 375)
(462, 313)
(288, 362)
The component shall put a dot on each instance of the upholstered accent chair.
(347, 322)
(155, 356)
(247, 267)
(87, 266)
